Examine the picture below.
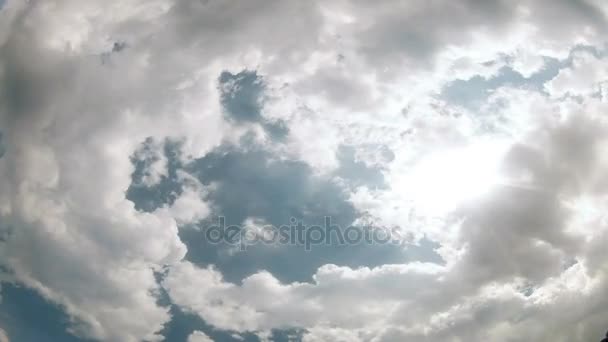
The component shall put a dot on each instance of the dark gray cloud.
(415, 31)
(517, 233)
(2, 147)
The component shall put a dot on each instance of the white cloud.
(190, 206)
(3, 336)
(516, 258)
(199, 336)
(587, 75)
(523, 260)
(263, 303)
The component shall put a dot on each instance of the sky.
(315, 171)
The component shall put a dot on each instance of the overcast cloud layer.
(475, 130)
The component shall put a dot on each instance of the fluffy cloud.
(519, 256)
(68, 126)
(587, 76)
(199, 336)
(125, 125)
(3, 336)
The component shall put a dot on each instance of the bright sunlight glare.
(448, 178)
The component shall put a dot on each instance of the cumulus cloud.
(474, 128)
(3, 336)
(586, 76)
(199, 336)
(520, 254)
